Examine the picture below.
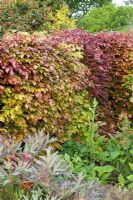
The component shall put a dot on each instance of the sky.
(119, 2)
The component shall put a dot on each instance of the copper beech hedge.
(48, 82)
(108, 60)
(39, 79)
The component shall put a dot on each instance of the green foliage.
(81, 118)
(34, 171)
(82, 6)
(33, 15)
(108, 18)
(110, 160)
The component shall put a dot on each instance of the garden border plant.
(37, 172)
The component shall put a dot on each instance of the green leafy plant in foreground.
(86, 156)
(107, 159)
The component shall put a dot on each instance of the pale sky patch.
(119, 2)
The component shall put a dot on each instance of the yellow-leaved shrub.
(62, 20)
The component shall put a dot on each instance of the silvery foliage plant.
(34, 171)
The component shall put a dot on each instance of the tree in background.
(128, 2)
(83, 6)
(42, 15)
(108, 18)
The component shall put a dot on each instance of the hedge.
(121, 46)
(108, 60)
(49, 82)
(40, 80)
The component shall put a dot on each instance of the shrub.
(24, 174)
(108, 18)
(61, 20)
(108, 59)
(39, 81)
(33, 16)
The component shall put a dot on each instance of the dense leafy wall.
(119, 97)
(108, 58)
(39, 81)
(49, 81)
